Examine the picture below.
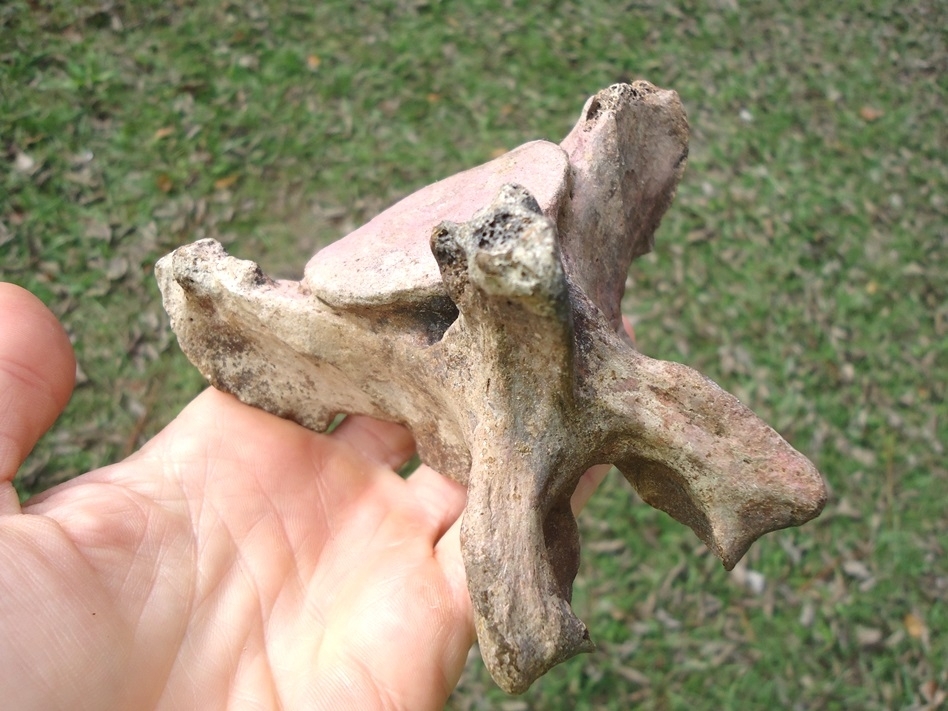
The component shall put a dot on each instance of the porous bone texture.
(483, 313)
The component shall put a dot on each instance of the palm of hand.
(237, 559)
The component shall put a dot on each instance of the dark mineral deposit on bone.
(483, 313)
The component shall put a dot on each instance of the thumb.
(37, 374)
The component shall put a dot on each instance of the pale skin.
(236, 561)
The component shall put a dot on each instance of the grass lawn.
(803, 266)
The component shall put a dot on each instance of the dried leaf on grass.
(870, 114)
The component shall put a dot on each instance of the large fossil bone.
(498, 343)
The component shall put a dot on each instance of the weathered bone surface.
(483, 312)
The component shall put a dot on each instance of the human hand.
(236, 560)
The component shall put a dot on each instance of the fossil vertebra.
(483, 313)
